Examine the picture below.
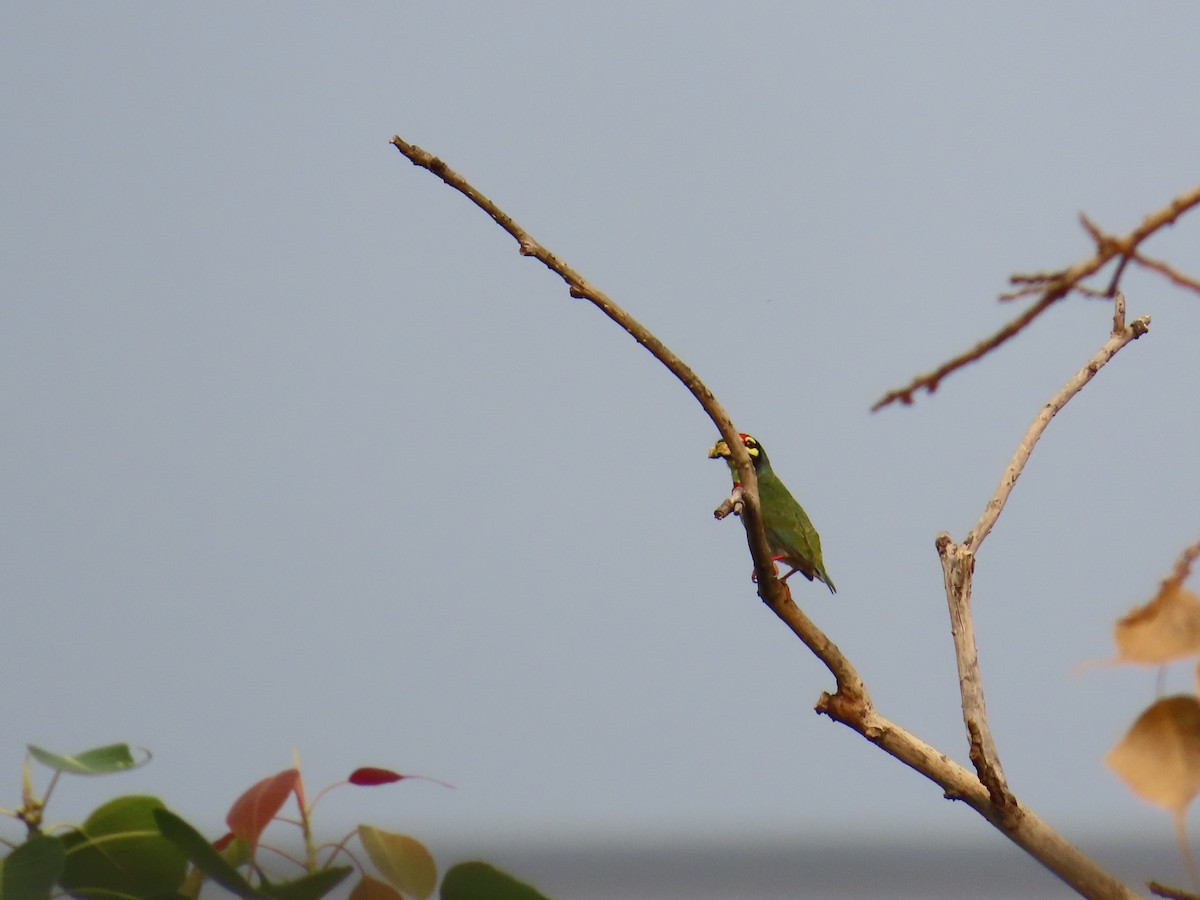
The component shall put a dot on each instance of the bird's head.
(720, 450)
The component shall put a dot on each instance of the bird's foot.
(774, 559)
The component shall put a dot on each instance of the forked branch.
(1050, 287)
(850, 704)
(958, 564)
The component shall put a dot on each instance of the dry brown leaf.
(1166, 628)
(1159, 757)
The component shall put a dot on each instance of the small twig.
(1092, 293)
(1170, 893)
(931, 380)
(731, 504)
(1053, 286)
(1172, 274)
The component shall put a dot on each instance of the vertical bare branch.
(958, 568)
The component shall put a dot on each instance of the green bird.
(790, 535)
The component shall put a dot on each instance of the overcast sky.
(298, 452)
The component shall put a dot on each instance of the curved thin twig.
(930, 380)
(1167, 271)
(1118, 339)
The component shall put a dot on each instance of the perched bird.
(790, 535)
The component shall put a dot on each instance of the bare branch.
(958, 568)
(1053, 286)
(1170, 893)
(851, 704)
(1018, 823)
(931, 380)
(1016, 465)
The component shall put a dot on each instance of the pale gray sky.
(299, 453)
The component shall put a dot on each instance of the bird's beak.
(719, 450)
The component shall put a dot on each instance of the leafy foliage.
(33, 868)
(1165, 629)
(133, 846)
(1158, 758)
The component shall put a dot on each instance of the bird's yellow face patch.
(720, 450)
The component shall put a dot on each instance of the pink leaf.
(252, 812)
(368, 776)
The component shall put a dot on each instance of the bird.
(790, 534)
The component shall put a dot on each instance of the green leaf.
(97, 761)
(402, 861)
(309, 887)
(31, 870)
(120, 850)
(201, 854)
(480, 881)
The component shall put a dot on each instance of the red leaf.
(368, 776)
(224, 841)
(253, 811)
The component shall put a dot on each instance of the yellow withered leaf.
(1159, 757)
(1166, 628)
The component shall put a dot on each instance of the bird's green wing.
(790, 532)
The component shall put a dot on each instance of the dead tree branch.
(850, 704)
(958, 565)
(1122, 334)
(1050, 287)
